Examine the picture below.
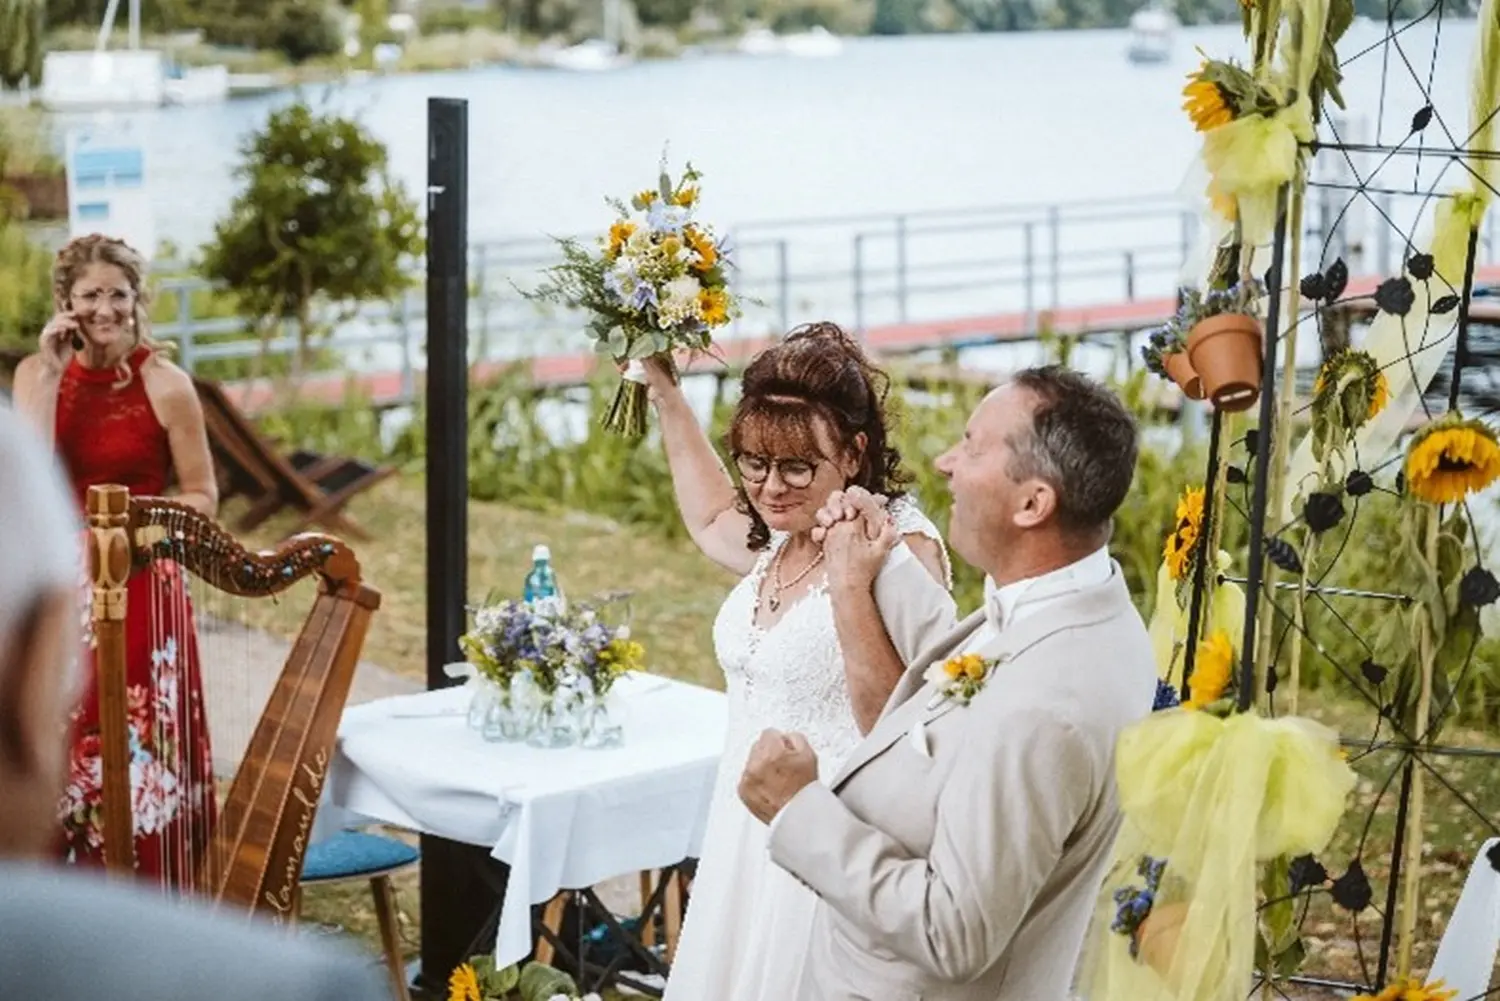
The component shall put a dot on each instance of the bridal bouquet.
(656, 283)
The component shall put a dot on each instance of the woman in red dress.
(118, 412)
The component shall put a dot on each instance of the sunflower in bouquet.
(654, 284)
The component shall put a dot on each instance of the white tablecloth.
(561, 819)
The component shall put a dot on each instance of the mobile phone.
(77, 341)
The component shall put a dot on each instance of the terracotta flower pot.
(1180, 371)
(1225, 351)
(1158, 936)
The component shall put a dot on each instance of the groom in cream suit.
(958, 851)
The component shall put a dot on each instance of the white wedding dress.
(748, 922)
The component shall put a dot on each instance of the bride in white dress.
(809, 422)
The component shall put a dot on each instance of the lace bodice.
(108, 433)
(790, 676)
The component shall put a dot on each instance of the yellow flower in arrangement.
(463, 984)
(1411, 990)
(1183, 540)
(713, 306)
(959, 677)
(618, 234)
(647, 196)
(1450, 459)
(1205, 103)
(621, 656)
(1212, 670)
(703, 247)
(685, 197)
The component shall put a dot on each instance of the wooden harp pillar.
(109, 562)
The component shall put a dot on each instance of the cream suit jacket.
(958, 852)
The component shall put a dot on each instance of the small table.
(560, 819)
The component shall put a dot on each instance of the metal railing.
(864, 271)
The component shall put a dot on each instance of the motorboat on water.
(1152, 31)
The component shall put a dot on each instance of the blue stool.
(359, 855)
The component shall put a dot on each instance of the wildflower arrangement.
(656, 283)
(511, 637)
(599, 654)
(570, 648)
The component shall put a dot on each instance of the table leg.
(462, 889)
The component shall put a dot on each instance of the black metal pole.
(455, 901)
(1265, 436)
(1393, 883)
(1461, 348)
(1203, 558)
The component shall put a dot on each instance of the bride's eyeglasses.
(795, 473)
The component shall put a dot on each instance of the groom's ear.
(1038, 505)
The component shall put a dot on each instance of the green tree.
(319, 220)
(23, 26)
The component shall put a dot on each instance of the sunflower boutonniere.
(960, 678)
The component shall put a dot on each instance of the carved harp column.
(110, 560)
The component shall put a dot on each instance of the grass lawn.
(677, 594)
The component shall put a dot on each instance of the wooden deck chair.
(248, 464)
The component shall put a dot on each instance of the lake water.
(889, 125)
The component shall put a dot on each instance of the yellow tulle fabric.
(1168, 628)
(1252, 157)
(1213, 798)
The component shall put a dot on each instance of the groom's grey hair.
(39, 529)
(1082, 441)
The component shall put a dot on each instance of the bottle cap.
(541, 553)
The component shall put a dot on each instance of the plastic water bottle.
(540, 590)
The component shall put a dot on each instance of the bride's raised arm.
(706, 495)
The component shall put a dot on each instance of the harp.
(246, 855)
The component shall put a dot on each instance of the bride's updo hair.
(816, 371)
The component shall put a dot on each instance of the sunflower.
(703, 246)
(713, 306)
(1355, 370)
(463, 984)
(1450, 459)
(1183, 540)
(686, 197)
(1212, 669)
(1411, 990)
(1205, 102)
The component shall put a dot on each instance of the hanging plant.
(1165, 351)
(1224, 344)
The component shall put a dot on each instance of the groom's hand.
(780, 766)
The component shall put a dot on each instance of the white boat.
(818, 43)
(592, 56)
(132, 77)
(1152, 30)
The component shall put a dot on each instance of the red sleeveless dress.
(108, 433)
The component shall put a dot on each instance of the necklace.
(774, 601)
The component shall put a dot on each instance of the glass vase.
(483, 695)
(555, 721)
(600, 723)
(509, 717)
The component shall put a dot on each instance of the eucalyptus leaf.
(641, 347)
(618, 342)
(506, 980)
(538, 982)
